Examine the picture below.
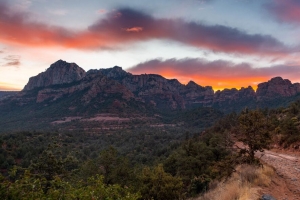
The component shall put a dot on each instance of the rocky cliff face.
(233, 95)
(115, 73)
(59, 72)
(160, 92)
(92, 86)
(277, 87)
(148, 89)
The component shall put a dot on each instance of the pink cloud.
(220, 74)
(102, 11)
(134, 29)
(12, 61)
(285, 10)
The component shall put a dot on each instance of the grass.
(242, 185)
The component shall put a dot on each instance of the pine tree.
(254, 133)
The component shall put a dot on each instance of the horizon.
(223, 44)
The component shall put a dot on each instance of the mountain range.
(64, 79)
(66, 90)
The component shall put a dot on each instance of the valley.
(130, 131)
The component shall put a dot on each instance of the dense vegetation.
(39, 116)
(139, 162)
(57, 167)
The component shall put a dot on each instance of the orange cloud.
(119, 28)
(134, 29)
(218, 74)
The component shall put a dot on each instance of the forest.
(140, 162)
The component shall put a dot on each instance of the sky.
(218, 43)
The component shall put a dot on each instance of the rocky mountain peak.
(116, 72)
(248, 89)
(277, 87)
(279, 81)
(60, 62)
(192, 84)
(60, 72)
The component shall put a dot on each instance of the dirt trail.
(287, 166)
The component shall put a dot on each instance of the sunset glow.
(204, 41)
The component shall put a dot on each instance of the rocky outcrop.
(115, 73)
(195, 94)
(101, 87)
(160, 92)
(230, 100)
(59, 72)
(155, 90)
(234, 95)
(267, 197)
(95, 85)
(276, 87)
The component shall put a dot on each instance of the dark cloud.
(216, 38)
(219, 74)
(125, 26)
(12, 61)
(287, 11)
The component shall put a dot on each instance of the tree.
(115, 168)
(159, 185)
(254, 133)
(51, 164)
(29, 186)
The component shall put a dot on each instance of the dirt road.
(287, 167)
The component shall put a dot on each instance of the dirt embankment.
(286, 185)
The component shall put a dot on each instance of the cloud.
(134, 29)
(119, 28)
(216, 38)
(18, 28)
(220, 74)
(58, 12)
(12, 61)
(205, 1)
(22, 4)
(102, 11)
(285, 10)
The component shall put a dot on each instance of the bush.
(159, 185)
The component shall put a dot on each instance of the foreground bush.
(30, 187)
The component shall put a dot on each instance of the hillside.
(7, 94)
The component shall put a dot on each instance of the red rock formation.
(59, 72)
(150, 89)
(277, 87)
